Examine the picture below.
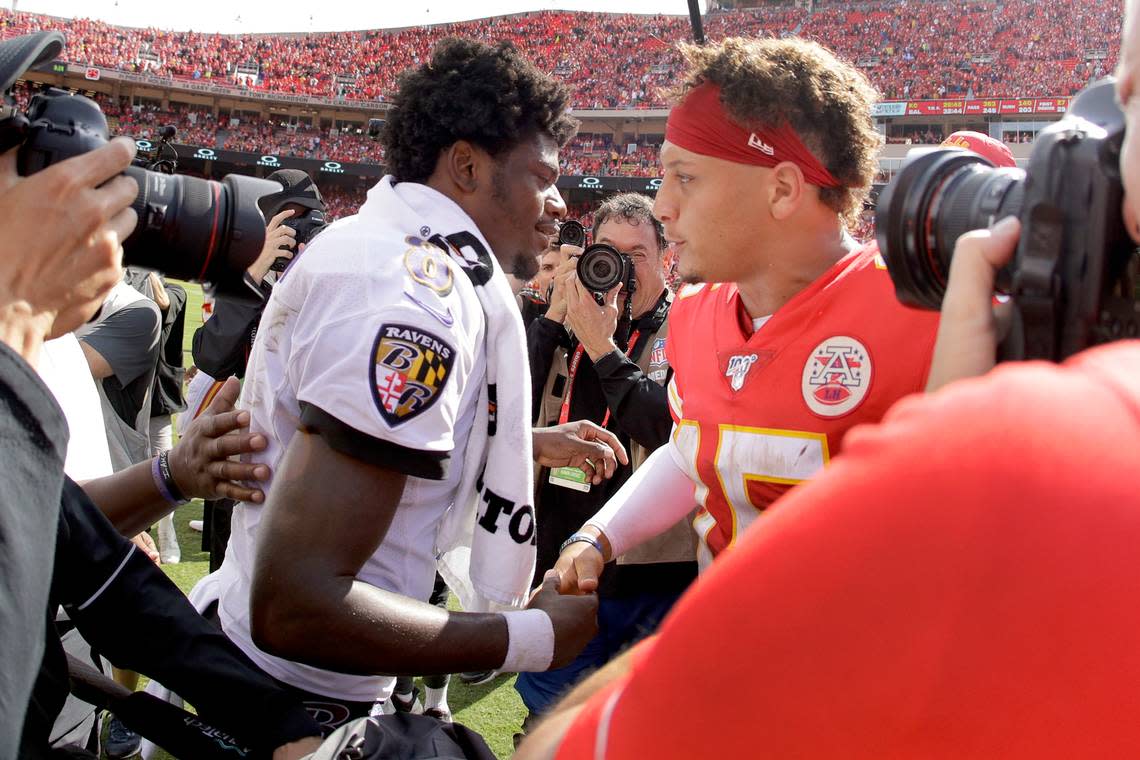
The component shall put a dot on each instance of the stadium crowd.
(758, 356)
(916, 49)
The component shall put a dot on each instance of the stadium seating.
(911, 49)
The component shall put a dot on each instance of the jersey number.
(745, 459)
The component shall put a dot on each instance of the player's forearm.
(129, 498)
(390, 633)
(654, 499)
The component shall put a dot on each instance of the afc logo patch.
(837, 376)
(409, 369)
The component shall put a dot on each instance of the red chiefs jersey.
(962, 583)
(757, 412)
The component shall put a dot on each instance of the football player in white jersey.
(366, 379)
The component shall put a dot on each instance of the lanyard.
(564, 413)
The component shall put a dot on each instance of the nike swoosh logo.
(444, 316)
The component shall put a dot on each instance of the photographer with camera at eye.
(598, 354)
(962, 580)
(66, 196)
(295, 214)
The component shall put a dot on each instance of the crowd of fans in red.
(910, 48)
(597, 155)
(198, 127)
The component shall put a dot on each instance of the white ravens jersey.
(375, 338)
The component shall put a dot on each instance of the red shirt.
(962, 582)
(758, 412)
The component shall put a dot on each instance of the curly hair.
(490, 96)
(803, 84)
(633, 208)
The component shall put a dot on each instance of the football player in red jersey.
(961, 583)
(788, 333)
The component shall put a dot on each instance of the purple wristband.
(160, 474)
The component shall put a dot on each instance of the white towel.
(486, 543)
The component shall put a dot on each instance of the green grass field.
(493, 709)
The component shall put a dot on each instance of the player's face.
(639, 242)
(521, 206)
(713, 215)
(1128, 78)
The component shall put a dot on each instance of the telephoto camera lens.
(188, 228)
(196, 229)
(572, 233)
(937, 196)
(601, 267)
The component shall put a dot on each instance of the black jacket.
(639, 411)
(130, 612)
(33, 441)
(222, 344)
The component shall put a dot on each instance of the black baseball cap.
(298, 187)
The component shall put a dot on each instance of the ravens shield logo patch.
(409, 369)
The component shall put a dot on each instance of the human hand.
(574, 619)
(565, 274)
(297, 750)
(200, 464)
(593, 325)
(971, 326)
(144, 542)
(580, 565)
(280, 240)
(64, 226)
(582, 444)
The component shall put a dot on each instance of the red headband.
(699, 123)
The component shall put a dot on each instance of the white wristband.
(530, 641)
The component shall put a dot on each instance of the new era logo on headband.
(760, 145)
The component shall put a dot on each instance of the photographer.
(222, 344)
(587, 363)
(990, 611)
(66, 222)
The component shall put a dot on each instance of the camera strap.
(572, 372)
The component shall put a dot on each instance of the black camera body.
(1072, 280)
(188, 228)
(307, 227)
(602, 267)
